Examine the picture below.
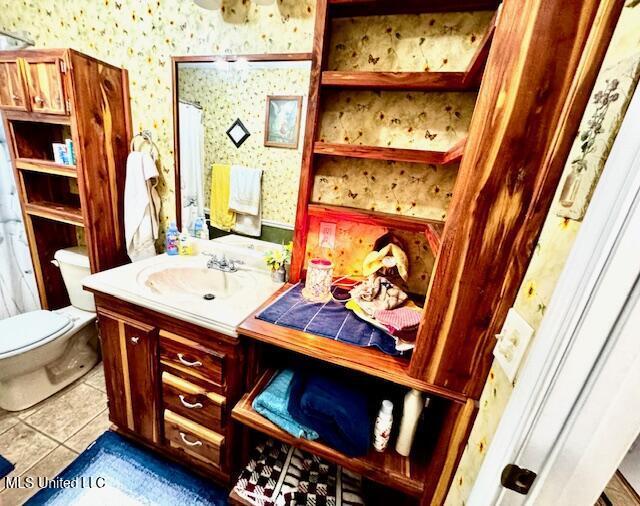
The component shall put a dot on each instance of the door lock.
(517, 479)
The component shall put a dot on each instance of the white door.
(576, 408)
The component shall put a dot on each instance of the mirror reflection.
(239, 145)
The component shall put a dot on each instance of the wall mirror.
(240, 121)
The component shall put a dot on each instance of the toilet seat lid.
(25, 330)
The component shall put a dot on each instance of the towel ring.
(147, 140)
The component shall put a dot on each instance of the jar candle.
(317, 287)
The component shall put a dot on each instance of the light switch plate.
(327, 235)
(512, 343)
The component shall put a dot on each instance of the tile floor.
(44, 439)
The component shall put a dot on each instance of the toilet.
(41, 352)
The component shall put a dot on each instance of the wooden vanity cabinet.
(171, 384)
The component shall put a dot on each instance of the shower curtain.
(191, 163)
(18, 292)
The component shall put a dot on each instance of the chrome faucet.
(222, 263)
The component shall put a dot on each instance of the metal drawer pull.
(190, 443)
(186, 362)
(38, 100)
(135, 340)
(186, 404)
(14, 97)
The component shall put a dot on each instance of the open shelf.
(46, 167)
(453, 155)
(414, 81)
(366, 360)
(403, 473)
(54, 211)
(348, 8)
(377, 218)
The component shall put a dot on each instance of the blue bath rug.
(115, 471)
(332, 320)
(5, 467)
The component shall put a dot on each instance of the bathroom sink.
(191, 281)
(184, 288)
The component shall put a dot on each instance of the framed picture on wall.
(282, 123)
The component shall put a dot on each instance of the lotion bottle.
(382, 428)
(413, 404)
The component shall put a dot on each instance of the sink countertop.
(244, 291)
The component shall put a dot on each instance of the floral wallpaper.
(436, 41)
(601, 121)
(409, 189)
(142, 35)
(226, 95)
(413, 120)
(354, 240)
(554, 244)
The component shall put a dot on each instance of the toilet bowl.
(41, 352)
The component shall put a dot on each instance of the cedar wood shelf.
(46, 167)
(403, 473)
(56, 212)
(453, 155)
(366, 360)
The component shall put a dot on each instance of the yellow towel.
(221, 217)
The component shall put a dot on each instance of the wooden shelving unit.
(504, 189)
(58, 101)
(402, 473)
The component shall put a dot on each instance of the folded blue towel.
(272, 403)
(339, 414)
(5, 467)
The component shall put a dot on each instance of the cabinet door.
(12, 88)
(45, 85)
(129, 352)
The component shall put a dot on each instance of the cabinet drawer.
(191, 359)
(192, 438)
(192, 401)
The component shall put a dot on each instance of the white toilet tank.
(74, 267)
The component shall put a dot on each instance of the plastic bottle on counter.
(413, 405)
(382, 428)
(172, 239)
(184, 243)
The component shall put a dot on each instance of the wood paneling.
(527, 115)
(415, 81)
(306, 173)
(101, 147)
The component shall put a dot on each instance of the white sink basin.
(184, 288)
(192, 281)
